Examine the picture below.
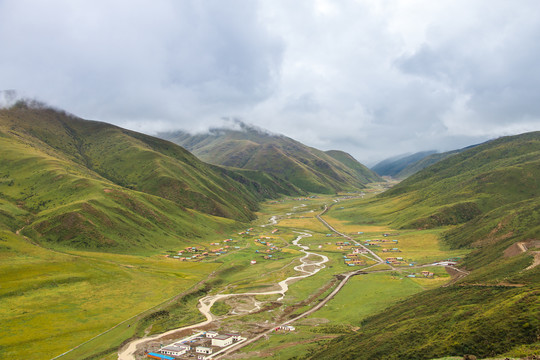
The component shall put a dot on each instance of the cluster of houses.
(340, 244)
(269, 252)
(285, 328)
(378, 242)
(192, 253)
(306, 198)
(246, 232)
(352, 258)
(394, 260)
(425, 273)
(202, 346)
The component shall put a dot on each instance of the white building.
(287, 327)
(211, 334)
(203, 350)
(235, 336)
(222, 340)
(174, 350)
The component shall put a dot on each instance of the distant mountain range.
(403, 166)
(74, 183)
(393, 165)
(87, 184)
(251, 148)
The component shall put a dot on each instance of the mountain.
(86, 184)
(486, 199)
(427, 161)
(361, 172)
(304, 167)
(392, 166)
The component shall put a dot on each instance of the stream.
(205, 303)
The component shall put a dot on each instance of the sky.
(375, 78)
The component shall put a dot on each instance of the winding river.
(307, 267)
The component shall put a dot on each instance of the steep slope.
(361, 172)
(307, 168)
(87, 184)
(491, 194)
(392, 166)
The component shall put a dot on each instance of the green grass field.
(365, 295)
(52, 301)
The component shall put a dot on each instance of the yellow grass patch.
(304, 223)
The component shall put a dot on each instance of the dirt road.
(205, 304)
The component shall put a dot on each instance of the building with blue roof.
(153, 355)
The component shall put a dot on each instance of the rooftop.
(222, 337)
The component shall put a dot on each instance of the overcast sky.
(375, 78)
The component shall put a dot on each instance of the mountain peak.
(250, 147)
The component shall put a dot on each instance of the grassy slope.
(68, 184)
(48, 189)
(496, 309)
(361, 172)
(392, 166)
(307, 168)
(51, 301)
(424, 163)
(132, 160)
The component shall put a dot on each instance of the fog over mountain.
(371, 78)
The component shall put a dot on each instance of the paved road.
(206, 303)
(377, 257)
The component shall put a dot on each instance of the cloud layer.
(374, 78)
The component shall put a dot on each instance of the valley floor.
(299, 265)
(343, 300)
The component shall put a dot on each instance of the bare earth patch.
(536, 261)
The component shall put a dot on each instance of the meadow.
(51, 301)
(90, 292)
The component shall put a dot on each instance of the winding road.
(307, 267)
(205, 303)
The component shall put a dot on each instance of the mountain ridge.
(486, 199)
(77, 182)
(307, 168)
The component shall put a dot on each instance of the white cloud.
(374, 78)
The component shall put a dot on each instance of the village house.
(236, 337)
(175, 349)
(359, 251)
(286, 328)
(211, 334)
(222, 340)
(203, 350)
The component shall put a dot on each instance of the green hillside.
(84, 184)
(304, 167)
(361, 172)
(87, 211)
(486, 199)
(427, 161)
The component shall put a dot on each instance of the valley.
(315, 293)
(102, 257)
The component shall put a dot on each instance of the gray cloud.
(374, 78)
